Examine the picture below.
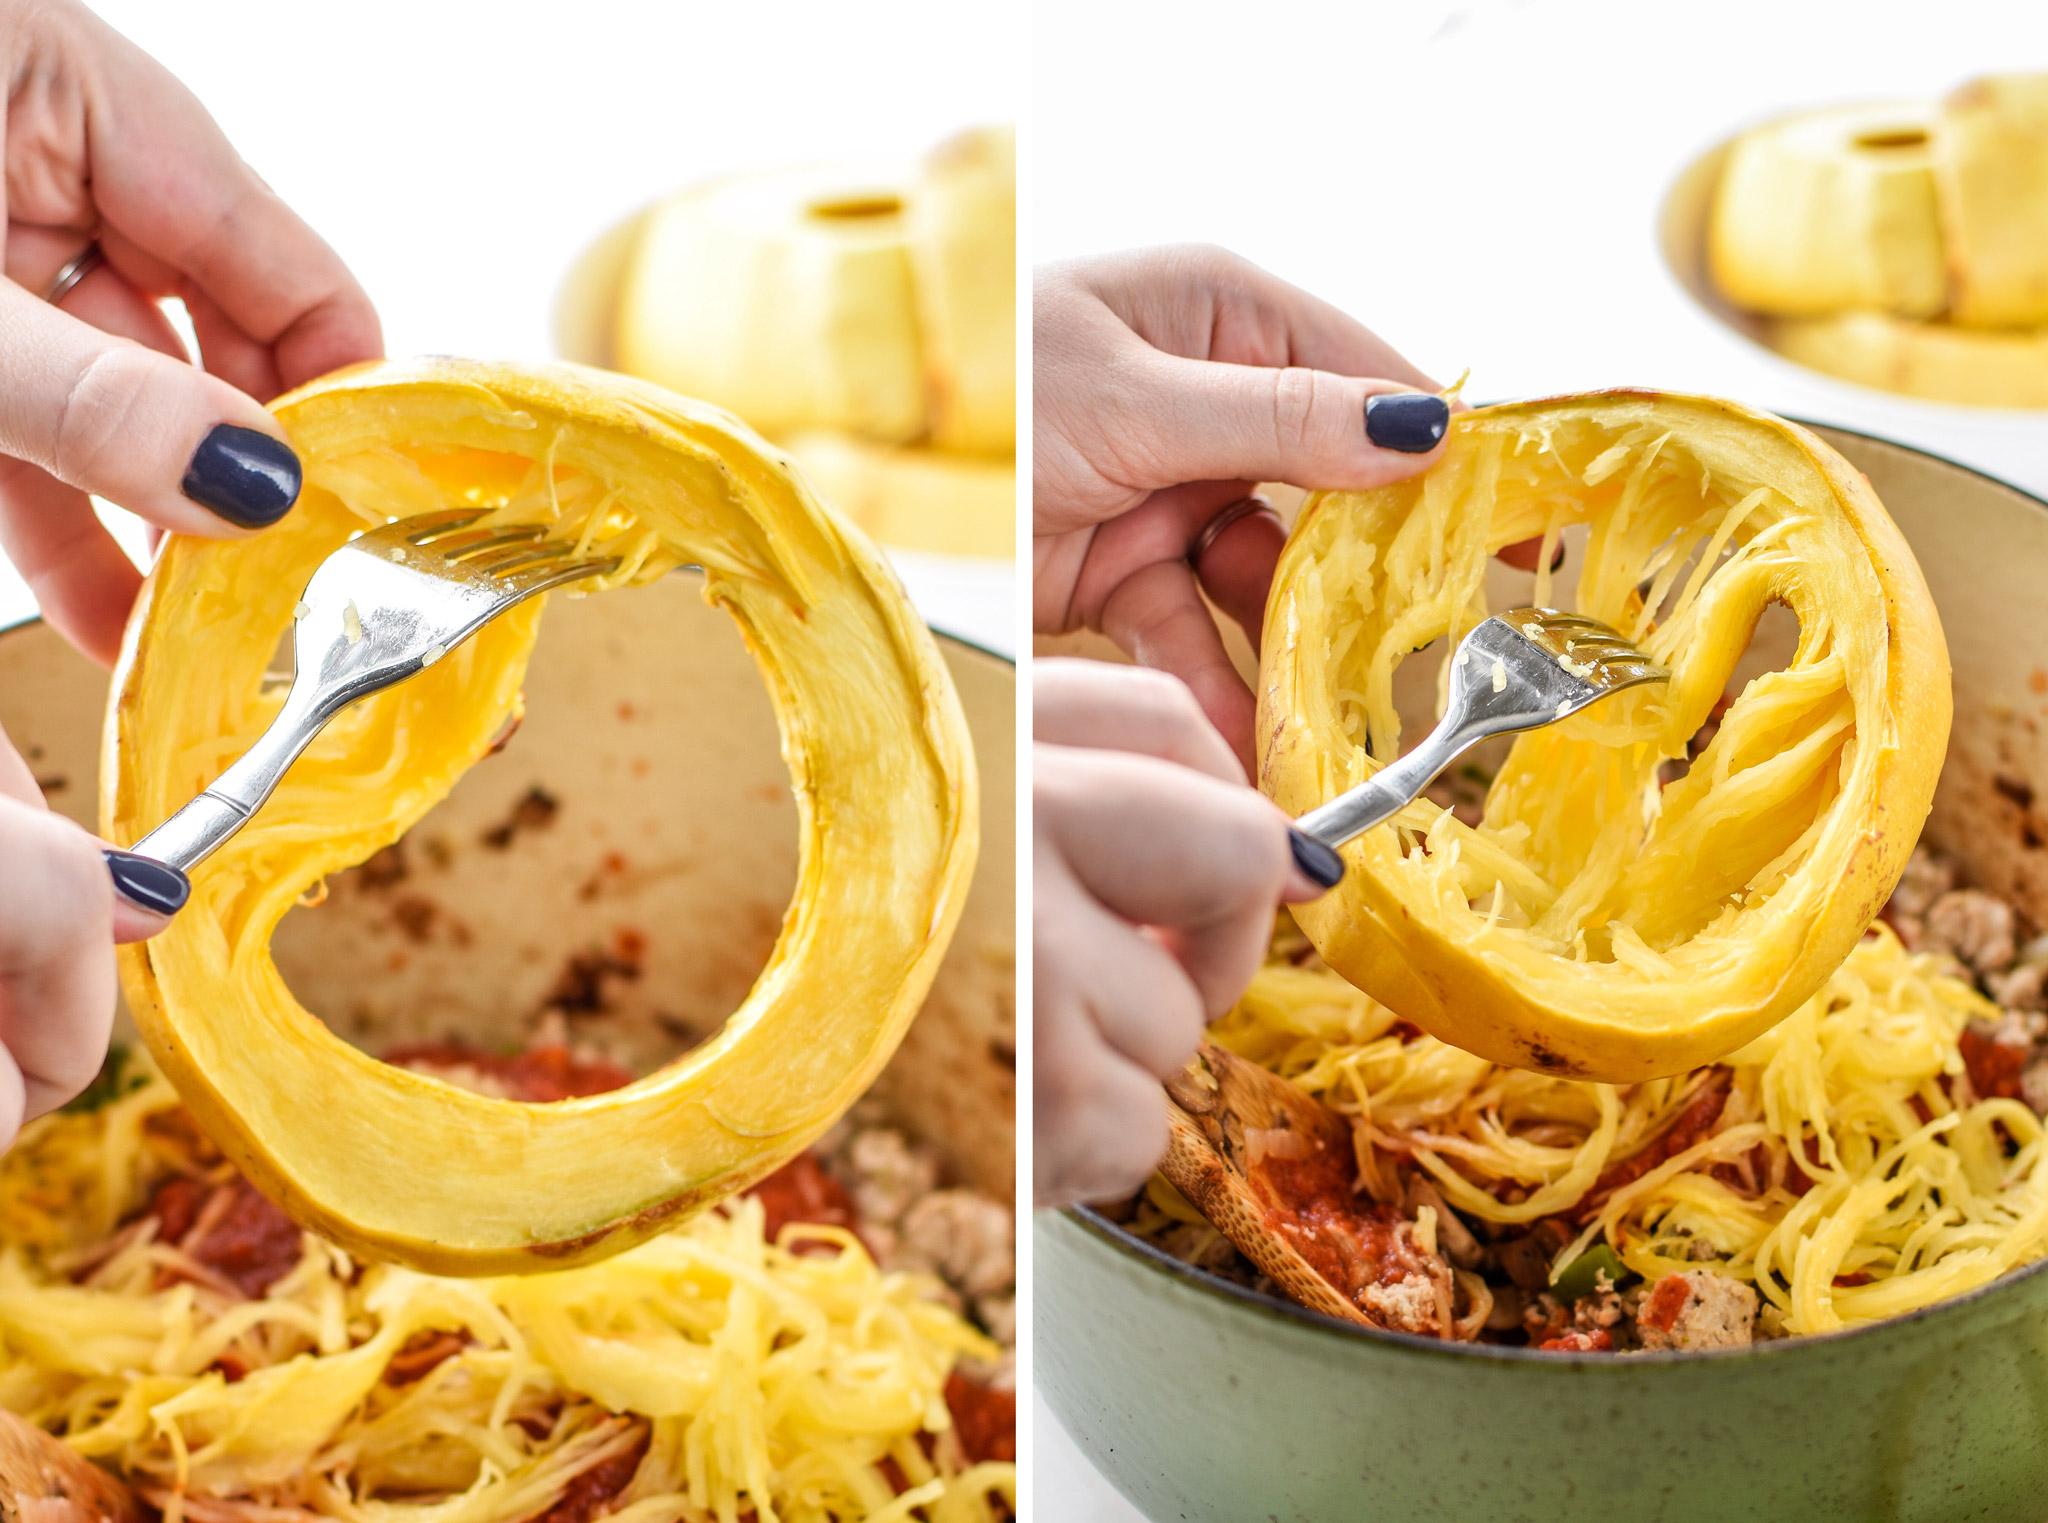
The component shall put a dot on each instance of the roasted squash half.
(1604, 920)
(400, 1166)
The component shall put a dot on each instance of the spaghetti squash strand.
(1842, 1179)
(720, 1373)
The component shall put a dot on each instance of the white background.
(460, 154)
(1478, 182)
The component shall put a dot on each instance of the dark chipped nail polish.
(1322, 865)
(1412, 422)
(248, 478)
(147, 883)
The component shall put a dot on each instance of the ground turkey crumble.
(1996, 951)
(912, 1220)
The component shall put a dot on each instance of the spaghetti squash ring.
(401, 1166)
(1604, 921)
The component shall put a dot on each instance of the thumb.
(1309, 428)
(160, 437)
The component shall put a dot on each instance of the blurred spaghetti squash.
(864, 316)
(398, 1165)
(1832, 209)
(1602, 921)
(1903, 246)
(162, 1319)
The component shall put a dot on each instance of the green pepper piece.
(1581, 1276)
(117, 1077)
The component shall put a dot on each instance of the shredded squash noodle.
(1603, 920)
(1849, 1174)
(706, 1374)
(881, 768)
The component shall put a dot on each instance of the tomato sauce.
(582, 1497)
(801, 1191)
(1310, 1203)
(1661, 1309)
(1693, 1123)
(230, 1228)
(1598, 1341)
(423, 1353)
(537, 1076)
(984, 1417)
(1994, 1066)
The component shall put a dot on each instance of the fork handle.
(199, 829)
(1388, 791)
(194, 833)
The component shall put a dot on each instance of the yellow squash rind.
(398, 1166)
(1994, 198)
(788, 297)
(1831, 209)
(1976, 367)
(963, 245)
(1703, 919)
(921, 499)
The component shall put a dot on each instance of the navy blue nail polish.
(1412, 422)
(147, 883)
(248, 478)
(1322, 865)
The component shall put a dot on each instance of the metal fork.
(384, 607)
(1519, 670)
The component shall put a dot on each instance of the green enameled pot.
(1202, 1401)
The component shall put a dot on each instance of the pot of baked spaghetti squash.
(606, 883)
(1796, 1273)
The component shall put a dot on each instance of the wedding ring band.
(1222, 523)
(86, 261)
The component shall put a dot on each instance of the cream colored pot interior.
(618, 872)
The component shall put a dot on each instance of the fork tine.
(539, 578)
(429, 526)
(512, 558)
(1593, 635)
(1587, 647)
(465, 548)
(1631, 671)
(1555, 665)
(1590, 650)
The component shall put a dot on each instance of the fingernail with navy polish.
(1322, 865)
(147, 883)
(248, 478)
(1412, 422)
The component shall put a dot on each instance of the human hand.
(1156, 872)
(1166, 384)
(120, 190)
(59, 913)
(103, 144)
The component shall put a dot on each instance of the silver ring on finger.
(88, 259)
(1225, 520)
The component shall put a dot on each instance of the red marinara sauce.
(984, 1417)
(801, 1191)
(1309, 1201)
(537, 1076)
